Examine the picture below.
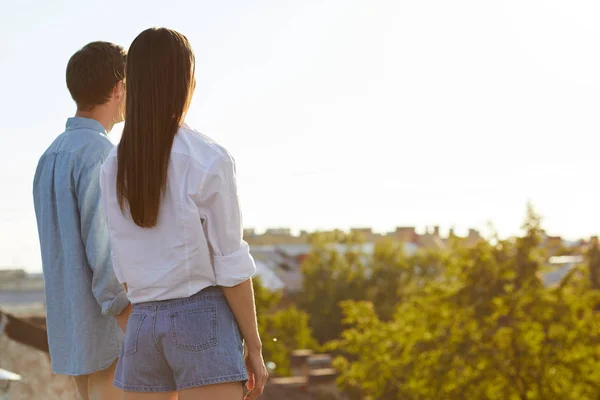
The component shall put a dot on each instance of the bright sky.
(343, 113)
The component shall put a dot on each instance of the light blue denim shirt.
(82, 292)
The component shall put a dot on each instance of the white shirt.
(197, 241)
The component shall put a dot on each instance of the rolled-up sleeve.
(107, 290)
(218, 202)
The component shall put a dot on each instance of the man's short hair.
(93, 72)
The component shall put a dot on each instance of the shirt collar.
(85, 123)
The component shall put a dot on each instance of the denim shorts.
(180, 344)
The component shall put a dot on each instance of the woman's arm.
(124, 316)
(218, 204)
(241, 301)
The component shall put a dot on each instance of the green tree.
(485, 328)
(393, 277)
(594, 263)
(335, 272)
(282, 329)
(330, 277)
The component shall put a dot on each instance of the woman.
(170, 197)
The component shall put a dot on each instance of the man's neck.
(99, 114)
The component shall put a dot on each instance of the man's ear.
(119, 90)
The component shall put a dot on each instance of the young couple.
(154, 221)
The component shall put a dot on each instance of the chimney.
(474, 233)
(436, 231)
(318, 361)
(321, 382)
(299, 362)
(312, 373)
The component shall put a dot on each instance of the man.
(83, 295)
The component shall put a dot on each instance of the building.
(560, 267)
(407, 234)
(279, 232)
(365, 234)
(274, 236)
(12, 275)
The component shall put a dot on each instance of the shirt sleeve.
(107, 290)
(218, 202)
(104, 201)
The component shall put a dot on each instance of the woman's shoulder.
(198, 146)
(110, 162)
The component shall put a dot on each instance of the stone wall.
(34, 366)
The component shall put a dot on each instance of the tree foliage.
(594, 263)
(282, 329)
(333, 274)
(484, 327)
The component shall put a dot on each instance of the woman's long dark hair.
(159, 83)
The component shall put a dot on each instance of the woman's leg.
(150, 396)
(222, 391)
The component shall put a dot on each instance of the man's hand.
(124, 317)
(257, 374)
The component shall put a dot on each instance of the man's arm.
(107, 290)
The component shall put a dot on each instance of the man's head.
(95, 77)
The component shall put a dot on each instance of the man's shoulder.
(112, 153)
(92, 148)
(86, 145)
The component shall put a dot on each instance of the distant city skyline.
(347, 113)
(434, 230)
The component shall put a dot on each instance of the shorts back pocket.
(134, 324)
(194, 329)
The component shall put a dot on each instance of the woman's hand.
(241, 300)
(124, 317)
(257, 374)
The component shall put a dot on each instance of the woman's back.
(199, 206)
(170, 197)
